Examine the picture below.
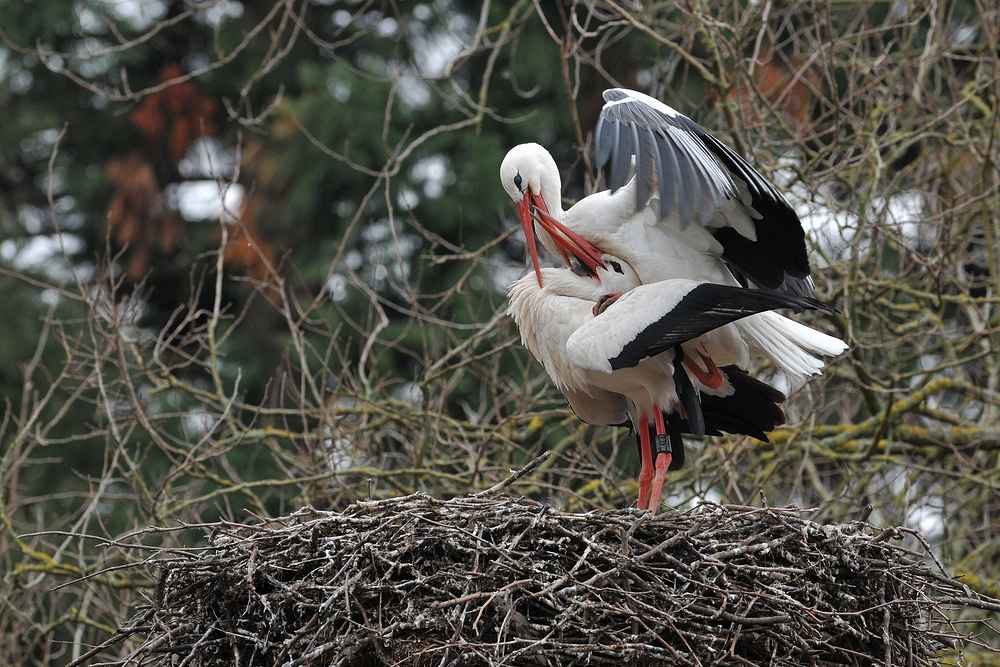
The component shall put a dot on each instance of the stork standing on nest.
(685, 213)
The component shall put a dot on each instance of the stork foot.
(710, 376)
(662, 465)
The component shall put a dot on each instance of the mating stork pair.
(652, 321)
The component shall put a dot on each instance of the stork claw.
(710, 376)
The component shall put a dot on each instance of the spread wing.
(685, 168)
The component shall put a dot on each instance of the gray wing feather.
(695, 174)
(694, 201)
(646, 178)
(672, 154)
(743, 171)
(666, 167)
(603, 143)
(621, 159)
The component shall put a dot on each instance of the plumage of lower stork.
(666, 354)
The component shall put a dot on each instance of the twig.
(497, 488)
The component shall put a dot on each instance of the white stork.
(616, 358)
(693, 210)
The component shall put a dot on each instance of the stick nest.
(479, 581)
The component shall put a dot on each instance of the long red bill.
(568, 240)
(528, 224)
(539, 203)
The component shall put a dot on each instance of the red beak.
(566, 239)
(528, 224)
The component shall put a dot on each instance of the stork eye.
(616, 266)
(517, 181)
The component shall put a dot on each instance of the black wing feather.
(706, 307)
(789, 284)
(780, 247)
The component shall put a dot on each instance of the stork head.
(616, 275)
(527, 170)
(529, 174)
(522, 172)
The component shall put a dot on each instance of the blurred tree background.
(253, 256)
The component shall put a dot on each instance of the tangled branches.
(509, 581)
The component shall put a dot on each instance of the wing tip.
(616, 94)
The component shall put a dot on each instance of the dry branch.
(483, 581)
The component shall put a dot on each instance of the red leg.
(662, 464)
(663, 459)
(661, 428)
(646, 453)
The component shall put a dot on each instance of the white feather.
(788, 344)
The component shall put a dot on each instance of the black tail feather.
(751, 410)
(688, 396)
